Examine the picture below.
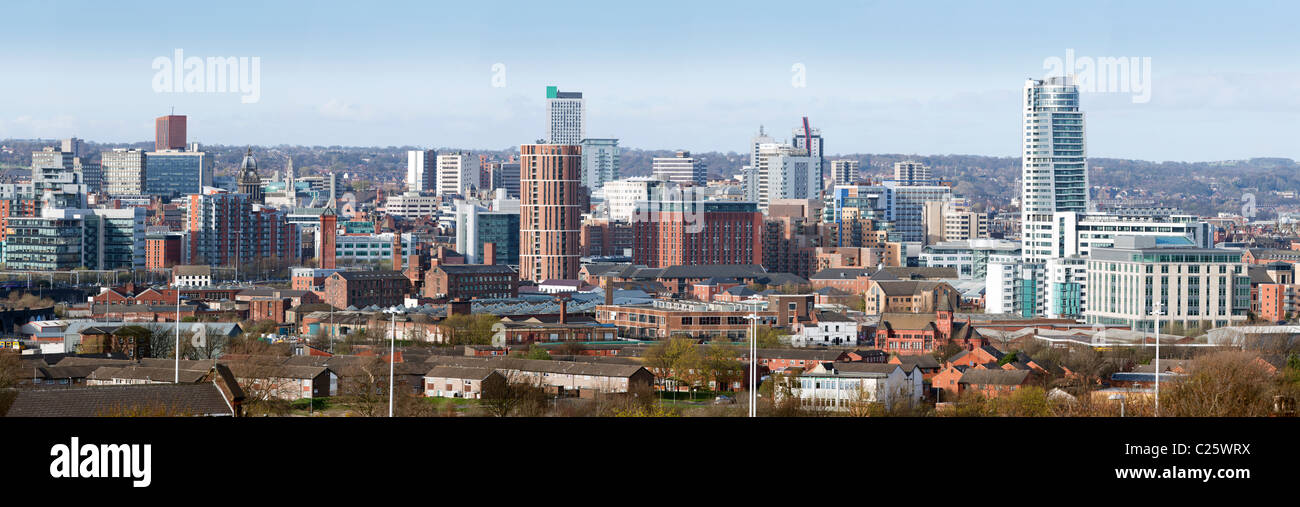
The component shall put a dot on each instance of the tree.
(720, 365)
(503, 396)
(1027, 401)
(10, 368)
(771, 337)
(674, 359)
(1220, 384)
(475, 329)
(365, 386)
(536, 352)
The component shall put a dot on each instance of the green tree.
(721, 366)
(675, 360)
(536, 352)
(771, 337)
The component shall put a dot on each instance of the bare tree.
(513, 395)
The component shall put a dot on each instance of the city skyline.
(1221, 89)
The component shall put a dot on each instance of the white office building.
(622, 195)
(680, 168)
(1193, 287)
(411, 205)
(783, 172)
(566, 116)
(455, 174)
(421, 171)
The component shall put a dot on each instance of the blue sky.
(881, 77)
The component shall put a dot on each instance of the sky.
(877, 77)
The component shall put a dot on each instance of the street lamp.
(177, 352)
(1119, 397)
(753, 360)
(1156, 314)
(392, 355)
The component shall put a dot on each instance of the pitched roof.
(460, 372)
(910, 321)
(147, 373)
(924, 361)
(203, 399)
(840, 274)
(538, 365)
(913, 273)
(905, 287)
(381, 274)
(477, 269)
(192, 270)
(994, 376)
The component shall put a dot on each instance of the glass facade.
(172, 174)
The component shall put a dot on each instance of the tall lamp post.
(1156, 314)
(753, 361)
(392, 355)
(177, 352)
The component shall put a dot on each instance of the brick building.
(550, 210)
(364, 288)
(163, 250)
(601, 237)
(674, 233)
(471, 281)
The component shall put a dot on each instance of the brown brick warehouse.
(550, 213)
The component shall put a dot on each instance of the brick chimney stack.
(564, 308)
(489, 254)
(609, 291)
(397, 251)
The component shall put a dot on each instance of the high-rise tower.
(566, 117)
(1054, 164)
(550, 215)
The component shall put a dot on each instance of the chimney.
(458, 306)
(397, 251)
(609, 291)
(489, 256)
(564, 308)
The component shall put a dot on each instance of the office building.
(550, 213)
(566, 116)
(476, 226)
(421, 171)
(622, 195)
(174, 173)
(908, 204)
(680, 168)
(124, 171)
(411, 205)
(58, 180)
(600, 158)
(455, 175)
(783, 172)
(66, 239)
(1195, 288)
(169, 132)
(504, 175)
